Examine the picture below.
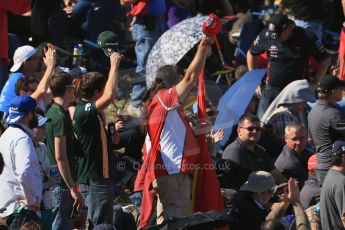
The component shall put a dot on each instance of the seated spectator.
(289, 105)
(310, 193)
(292, 161)
(244, 156)
(332, 205)
(131, 138)
(290, 195)
(252, 206)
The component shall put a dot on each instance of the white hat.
(22, 54)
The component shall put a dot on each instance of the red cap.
(212, 25)
(312, 162)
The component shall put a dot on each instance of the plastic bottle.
(75, 59)
(54, 172)
(80, 49)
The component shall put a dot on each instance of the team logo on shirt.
(273, 51)
(274, 36)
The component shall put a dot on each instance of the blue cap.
(19, 107)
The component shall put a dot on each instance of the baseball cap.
(312, 162)
(329, 82)
(22, 54)
(338, 147)
(19, 107)
(258, 181)
(108, 41)
(277, 24)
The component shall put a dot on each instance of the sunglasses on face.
(252, 128)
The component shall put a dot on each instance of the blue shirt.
(9, 92)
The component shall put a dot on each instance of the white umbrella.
(173, 45)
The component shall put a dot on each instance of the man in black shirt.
(288, 49)
(244, 156)
(292, 161)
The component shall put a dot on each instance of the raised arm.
(251, 61)
(50, 61)
(195, 68)
(109, 93)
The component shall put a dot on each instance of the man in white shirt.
(21, 180)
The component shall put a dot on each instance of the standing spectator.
(16, 7)
(147, 26)
(95, 167)
(326, 123)
(292, 161)
(167, 125)
(310, 193)
(332, 204)
(48, 180)
(61, 151)
(244, 155)
(288, 48)
(21, 180)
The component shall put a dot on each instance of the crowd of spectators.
(66, 162)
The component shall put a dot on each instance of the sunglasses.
(252, 128)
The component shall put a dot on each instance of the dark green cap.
(108, 41)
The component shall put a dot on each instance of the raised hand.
(115, 59)
(50, 56)
(218, 136)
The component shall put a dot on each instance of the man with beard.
(21, 180)
(244, 155)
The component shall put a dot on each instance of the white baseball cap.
(22, 54)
